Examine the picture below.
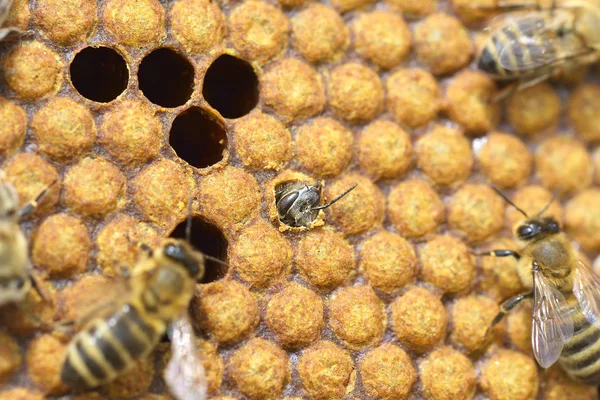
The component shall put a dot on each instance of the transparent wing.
(587, 291)
(184, 374)
(4, 9)
(552, 324)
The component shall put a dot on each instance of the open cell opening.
(166, 78)
(231, 86)
(198, 138)
(208, 239)
(99, 74)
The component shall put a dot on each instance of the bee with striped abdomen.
(565, 293)
(297, 202)
(161, 287)
(535, 42)
(15, 276)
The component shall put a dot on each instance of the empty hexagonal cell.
(99, 74)
(198, 138)
(231, 86)
(208, 239)
(166, 78)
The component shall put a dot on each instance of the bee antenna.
(336, 199)
(508, 201)
(188, 224)
(215, 259)
(543, 210)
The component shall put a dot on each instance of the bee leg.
(32, 204)
(36, 286)
(500, 253)
(506, 307)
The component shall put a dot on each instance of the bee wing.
(552, 324)
(184, 374)
(587, 291)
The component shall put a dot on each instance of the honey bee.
(15, 277)
(535, 43)
(161, 287)
(565, 293)
(297, 202)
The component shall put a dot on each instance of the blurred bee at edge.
(161, 287)
(565, 293)
(535, 42)
(4, 10)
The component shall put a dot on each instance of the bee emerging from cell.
(298, 203)
(533, 42)
(565, 293)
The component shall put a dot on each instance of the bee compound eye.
(524, 231)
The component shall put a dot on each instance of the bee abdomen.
(580, 357)
(107, 348)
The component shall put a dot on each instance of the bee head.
(295, 202)
(182, 253)
(536, 228)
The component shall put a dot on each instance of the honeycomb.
(124, 109)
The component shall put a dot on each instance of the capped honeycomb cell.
(295, 316)
(583, 108)
(325, 259)
(63, 129)
(509, 374)
(31, 175)
(323, 146)
(476, 211)
(19, 15)
(518, 327)
(61, 246)
(561, 387)
(415, 208)
(384, 150)
(66, 22)
(44, 361)
(162, 191)
(533, 109)
(261, 254)
(357, 316)
(355, 92)
(444, 154)
(319, 34)
(116, 242)
(471, 317)
(470, 102)
(447, 374)
(326, 371)
(135, 24)
(213, 364)
(293, 90)
(582, 218)
(131, 132)
(21, 394)
(349, 5)
(361, 209)
(199, 25)
(381, 37)
(563, 164)
(260, 369)
(387, 261)
(94, 186)
(446, 263)
(499, 279)
(505, 160)
(259, 31)
(418, 318)
(32, 70)
(78, 299)
(12, 131)
(227, 310)
(387, 372)
(18, 321)
(414, 8)
(262, 142)
(413, 96)
(230, 197)
(442, 44)
(10, 356)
